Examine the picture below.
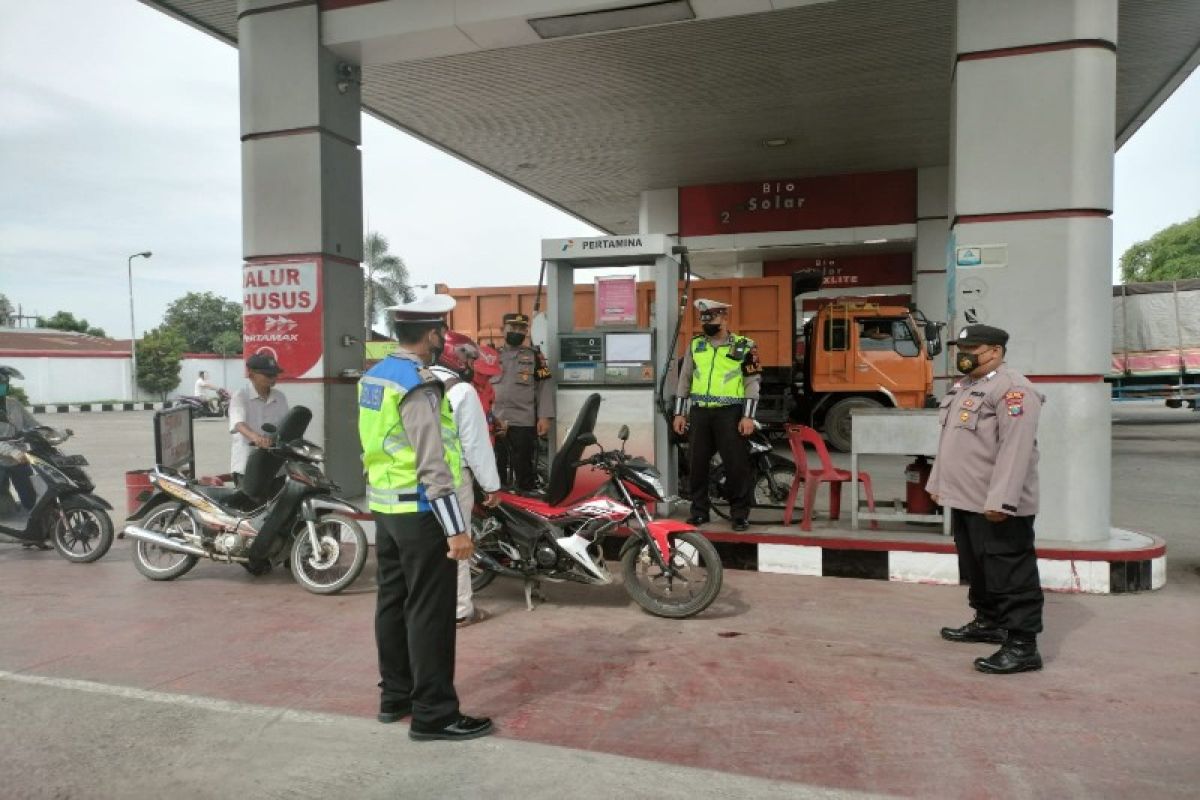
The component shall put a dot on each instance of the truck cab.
(854, 353)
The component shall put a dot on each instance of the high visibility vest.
(717, 371)
(388, 456)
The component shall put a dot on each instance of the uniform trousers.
(21, 477)
(519, 451)
(715, 429)
(414, 617)
(999, 563)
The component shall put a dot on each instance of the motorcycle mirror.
(623, 433)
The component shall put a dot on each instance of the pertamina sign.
(281, 314)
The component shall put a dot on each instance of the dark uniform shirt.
(987, 455)
(524, 387)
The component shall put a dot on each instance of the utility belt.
(714, 402)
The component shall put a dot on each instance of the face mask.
(967, 362)
(711, 328)
(514, 338)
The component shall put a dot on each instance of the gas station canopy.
(587, 110)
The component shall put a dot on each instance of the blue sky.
(120, 134)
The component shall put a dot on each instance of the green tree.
(199, 317)
(6, 310)
(227, 343)
(158, 360)
(65, 321)
(385, 279)
(1171, 254)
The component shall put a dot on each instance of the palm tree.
(385, 278)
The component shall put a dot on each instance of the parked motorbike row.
(286, 513)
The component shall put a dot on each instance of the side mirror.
(623, 433)
(933, 338)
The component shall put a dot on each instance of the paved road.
(221, 685)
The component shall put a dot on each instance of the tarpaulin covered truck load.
(1156, 342)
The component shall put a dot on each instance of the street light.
(133, 330)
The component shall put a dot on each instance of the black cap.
(516, 318)
(981, 334)
(264, 363)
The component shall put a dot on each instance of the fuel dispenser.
(623, 363)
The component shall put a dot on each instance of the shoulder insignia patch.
(543, 368)
(1015, 402)
(751, 364)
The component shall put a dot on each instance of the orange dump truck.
(850, 353)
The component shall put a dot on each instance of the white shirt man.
(479, 465)
(253, 406)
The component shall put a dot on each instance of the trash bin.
(138, 489)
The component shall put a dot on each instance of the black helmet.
(8, 373)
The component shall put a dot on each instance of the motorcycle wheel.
(769, 504)
(82, 534)
(481, 576)
(343, 554)
(693, 589)
(160, 564)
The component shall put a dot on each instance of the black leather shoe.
(975, 631)
(393, 712)
(460, 730)
(1016, 655)
(741, 525)
(698, 519)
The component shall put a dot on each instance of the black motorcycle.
(206, 408)
(771, 473)
(67, 514)
(284, 513)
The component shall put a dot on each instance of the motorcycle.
(67, 513)
(284, 513)
(669, 568)
(205, 408)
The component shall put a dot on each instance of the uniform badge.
(371, 396)
(751, 365)
(543, 368)
(1014, 401)
(964, 416)
(968, 403)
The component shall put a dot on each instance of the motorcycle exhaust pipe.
(144, 535)
(485, 560)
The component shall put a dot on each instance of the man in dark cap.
(253, 406)
(413, 458)
(524, 402)
(986, 474)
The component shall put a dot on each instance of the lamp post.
(133, 330)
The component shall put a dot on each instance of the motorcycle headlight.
(53, 437)
(309, 451)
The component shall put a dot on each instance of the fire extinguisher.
(916, 475)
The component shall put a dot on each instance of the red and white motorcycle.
(669, 568)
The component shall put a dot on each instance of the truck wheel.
(837, 421)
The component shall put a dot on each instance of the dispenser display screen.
(574, 349)
(628, 348)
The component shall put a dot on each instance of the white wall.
(87, 380)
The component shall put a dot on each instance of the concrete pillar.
(302, 218)
(929, 261)
(1031, 187)
(658, 212)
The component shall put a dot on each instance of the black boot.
(698, 518)
(1018, 654)
(977, 630)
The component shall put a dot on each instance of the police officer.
(413, 461)
(524, 402)
(986, 474)
(718, 380)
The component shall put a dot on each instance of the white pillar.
(302, 206)
(929, 261)
(1031, 181)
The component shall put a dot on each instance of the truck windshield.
(883, 334)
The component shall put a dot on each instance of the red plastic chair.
(798, 437)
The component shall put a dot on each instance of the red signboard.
(799, 204)
(850, 272)
(281, 314)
